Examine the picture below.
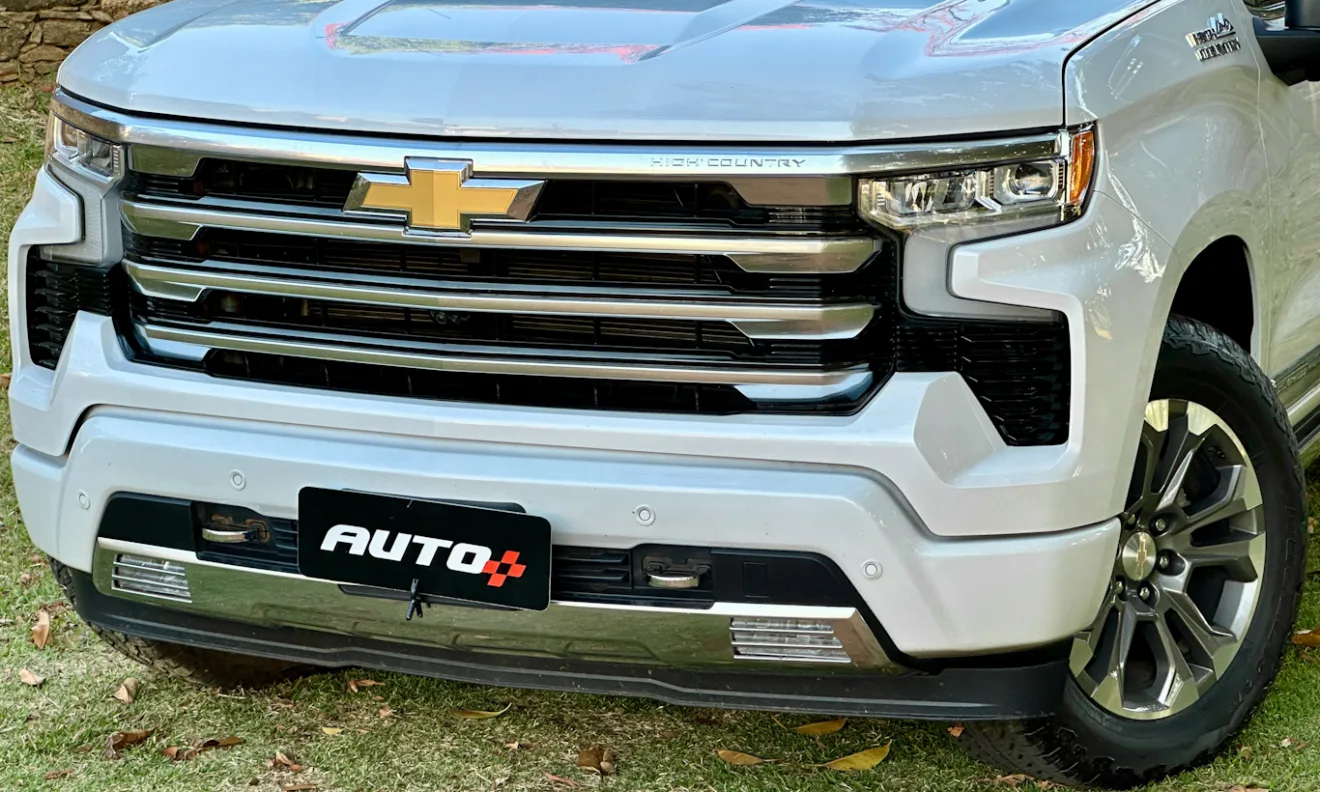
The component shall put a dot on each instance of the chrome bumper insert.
(604, 633)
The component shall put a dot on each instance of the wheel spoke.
(1151, 444)
(1183, 687)
(1236, 493)
(1110, 690)
(1241, 555)
(1179, 450)
(1210, 640)
(1083, 650)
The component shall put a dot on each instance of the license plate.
(462, 552)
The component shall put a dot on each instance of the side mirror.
(1292, 49)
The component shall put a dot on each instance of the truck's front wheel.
(1205, 586)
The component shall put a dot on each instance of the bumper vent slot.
(583, 570)
(150, 577)
(786, 640)
(56, 292)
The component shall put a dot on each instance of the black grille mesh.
(1018, 371)
(55, 293)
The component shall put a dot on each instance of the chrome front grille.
(724, 279)
(629, 295)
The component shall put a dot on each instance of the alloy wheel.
(1188, 571)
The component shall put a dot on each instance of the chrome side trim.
(175, 147)
(763, 254)
(756, 320)
(1298, 386)
(326, 347)
(610, 633)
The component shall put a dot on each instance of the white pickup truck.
(950, 360)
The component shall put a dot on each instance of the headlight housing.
(1052, 187)
(82, 151)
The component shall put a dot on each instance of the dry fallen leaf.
(284, 762)
(385, 712)
(297, 787)
(519, 745)
(26, 579)
(598, 759)
(354, 685)
(181, 754)
(738, 758)
(821, 728)
(956, 730)
(468, 714)
(127, 691)
(332, 730)
(862, 760)
(123, 739)
(41, 632)
(1306, 638)
(221, 742)
(28, 678)
(1011, 780)
(568, 782)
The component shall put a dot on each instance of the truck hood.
(673, 70)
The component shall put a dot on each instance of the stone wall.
(35, 35)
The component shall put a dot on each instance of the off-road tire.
(202, 666)
(1084, 745)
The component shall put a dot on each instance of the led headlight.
(81, 151)
(1052, 187)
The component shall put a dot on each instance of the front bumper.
(933, 597)
(519, 650)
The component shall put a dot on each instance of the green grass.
(422, 746)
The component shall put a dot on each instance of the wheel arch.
(1218, 287)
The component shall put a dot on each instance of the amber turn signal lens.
(1080, 164)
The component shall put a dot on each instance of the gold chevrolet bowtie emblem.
(441, 195)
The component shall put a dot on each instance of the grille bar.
(786, 254)
(753, 319)
(416, 356)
